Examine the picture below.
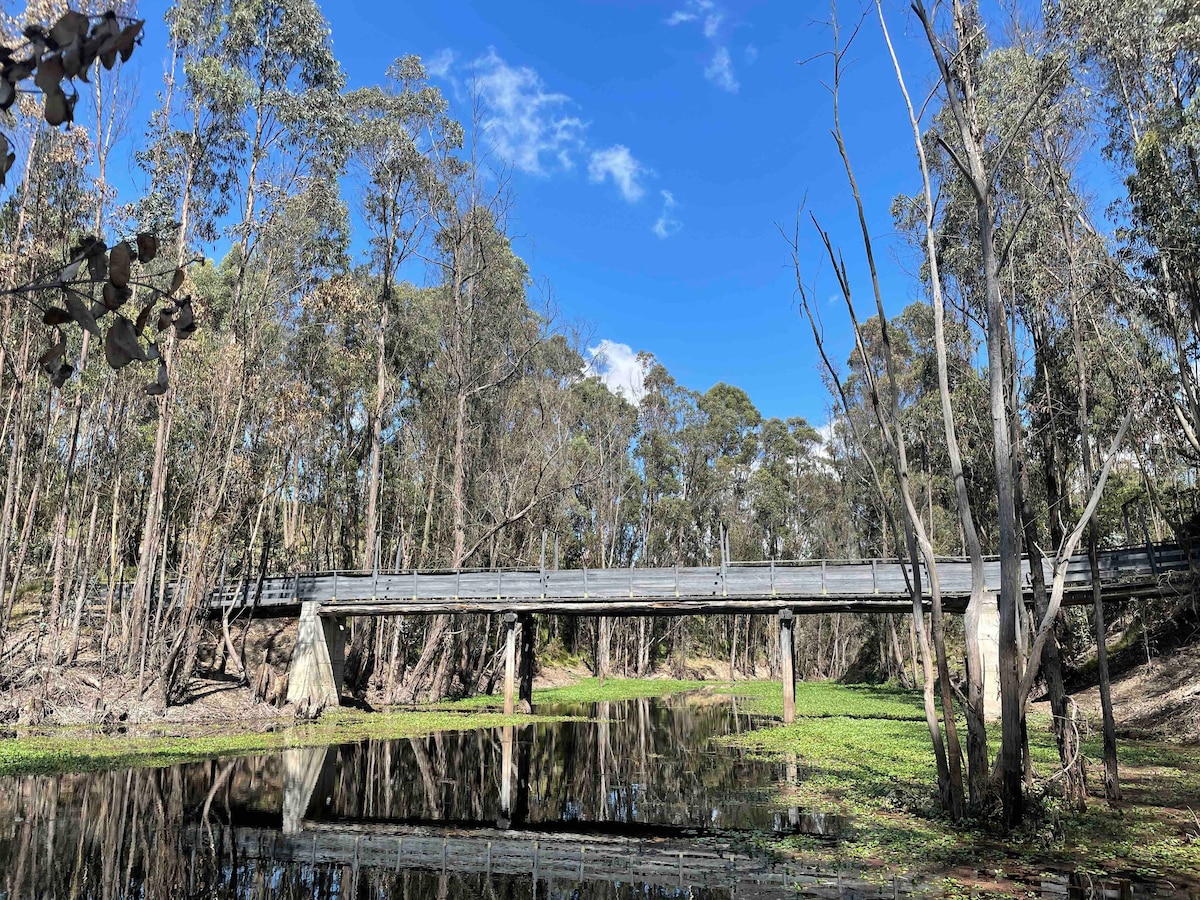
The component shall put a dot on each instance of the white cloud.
(751, 54)
(537, 130)
(720, 71)
(618, 366)
(523, 121)
(667, 224)
(440, 64)
(617, 163)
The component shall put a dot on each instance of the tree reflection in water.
(636, 802)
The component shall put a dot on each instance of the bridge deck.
(865, 586)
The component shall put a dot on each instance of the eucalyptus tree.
(265, 79)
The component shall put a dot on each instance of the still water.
(637, 801)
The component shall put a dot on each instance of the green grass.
(823, 699)
(75, 749)
(589, 690)
(865, 752)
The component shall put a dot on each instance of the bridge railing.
(798, 579)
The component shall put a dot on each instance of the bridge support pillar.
(988, 629)
(787, 664)
(526, 662)
(507, 739)
(510, 662)
(302, 770)
(318, 659)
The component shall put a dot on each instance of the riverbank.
(864, 752)
(86, 748)
(160, 742)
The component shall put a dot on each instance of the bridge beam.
(318, 659)
(787, 664)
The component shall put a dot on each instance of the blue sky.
(655, 148)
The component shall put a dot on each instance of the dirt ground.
(1159, 700)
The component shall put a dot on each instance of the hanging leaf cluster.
(98, 281)
(53, 58)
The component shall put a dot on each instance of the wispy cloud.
(527, 125)
(439, 64)
(719, 69)
(540, 131)
(619, 367)
(617, 163)
(667, 223)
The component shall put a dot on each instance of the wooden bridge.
(324, 600)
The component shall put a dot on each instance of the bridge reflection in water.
(643, 800)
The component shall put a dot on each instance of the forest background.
(379, 380)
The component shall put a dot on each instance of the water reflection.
(637, 802)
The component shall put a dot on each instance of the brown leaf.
(185, 321)
(73, 61)
(71, 26)
(176, 281)
(59, 378)
(147, 246)
(49, 73)
(56, 316)
(49, 361)
(59, 107)
(118, 265)
(124, 42)
(159, 386)
(144, 317)
(114, 298)
(80, 313)
(121, 345)
(97, 261)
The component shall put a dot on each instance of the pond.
(637, 798)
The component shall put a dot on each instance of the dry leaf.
(147, 246)
(49, 361)
(185, 321)
(114, 298)
(121, 345)
(144, 317)
(159, 386)
(49, 72)
(59, 107)
(124, 42)
(118, 265)
(72, 26)
(80, 313)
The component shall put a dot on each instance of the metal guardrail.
(806, 580)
